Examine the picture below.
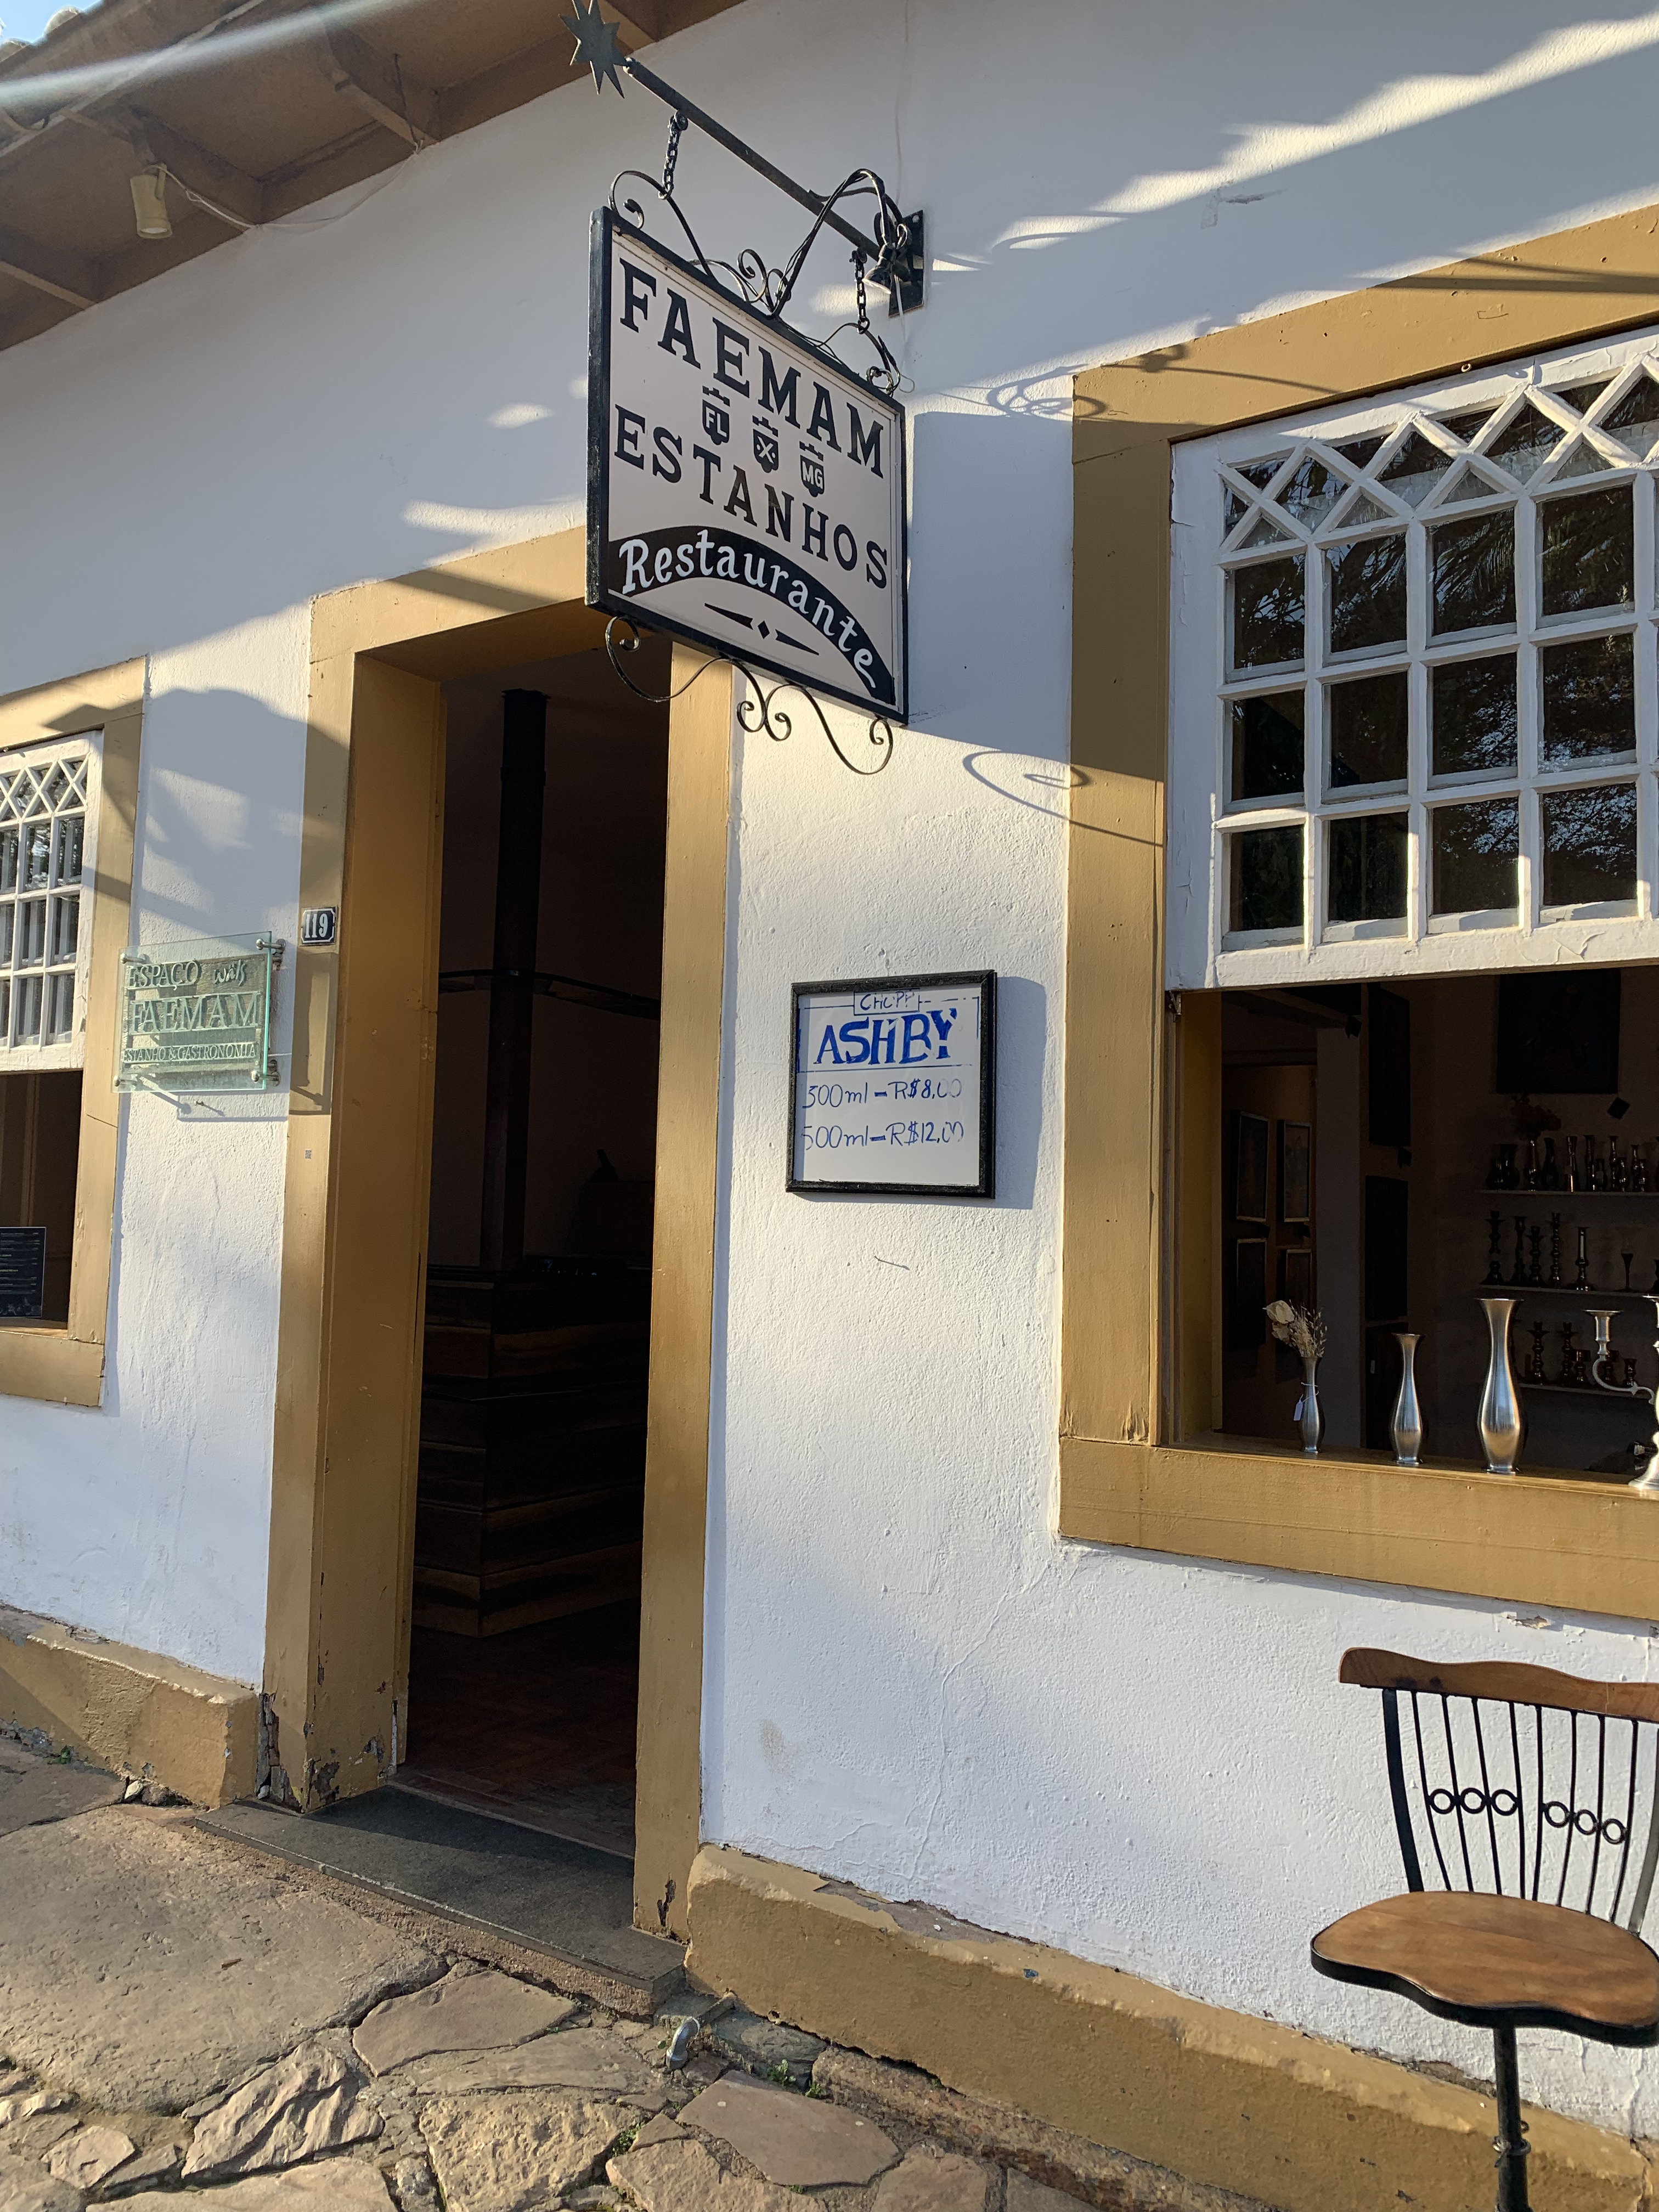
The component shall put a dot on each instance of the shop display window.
(1393, 1153)
(1415, 760)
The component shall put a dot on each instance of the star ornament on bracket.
(596, 44)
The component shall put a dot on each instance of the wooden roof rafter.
(258, 135)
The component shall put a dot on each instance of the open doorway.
(524, 1665)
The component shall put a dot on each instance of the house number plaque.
(195, 1015)
(894, 1086)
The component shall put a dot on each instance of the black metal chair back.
(1521, 1781)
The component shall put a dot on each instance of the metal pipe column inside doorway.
(513, 981)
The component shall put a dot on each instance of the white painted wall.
(910, 1681)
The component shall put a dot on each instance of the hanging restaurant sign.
(894, 1085)
(195, 1015)
(743, 491)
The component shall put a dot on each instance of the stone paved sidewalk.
(184, 2023)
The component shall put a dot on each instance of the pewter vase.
(1313, 1421)
(1501, 1429)
(1407, 1426)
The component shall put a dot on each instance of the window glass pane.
(37, 854)
(60, 1005)
(71, 837)
(1367, 857)
(1267, 613)
(65, 920)
(1473, 714)
(1311, 492)
(1473, 572)
(1470, 425)
(1582, 397)
(30, 933)
(7, 914)
(1415, 470)
(1361, 450)
(7, 859)
(1588, 558)
(1590, 845)
(1368, 731)
(27, 992)
(1265, 891)
(1474, 853)
(1524, 445)
(1261, 473)
(1634, 420)
(1366, 583)
(1589, 699)
(1232, 511)
(1264, 530)
(5, 1013)
(1267, 746)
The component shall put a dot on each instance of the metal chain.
(864, 305)
(676, 124)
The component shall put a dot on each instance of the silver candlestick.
(1648, 1480)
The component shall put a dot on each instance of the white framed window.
(1414, 680)
(48, 830)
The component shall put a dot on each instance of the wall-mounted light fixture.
(150, 203)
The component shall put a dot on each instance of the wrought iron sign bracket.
(895, 258)
(757, 709)
(890, 255)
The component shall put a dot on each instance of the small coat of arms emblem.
(716, 416)
(766, 445)
(812, 469)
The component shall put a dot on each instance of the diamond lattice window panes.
(1414, 686)
(48, 813)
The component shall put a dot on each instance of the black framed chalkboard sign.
(893, 1085)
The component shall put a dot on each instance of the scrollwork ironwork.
(757, 710)
(767, 291)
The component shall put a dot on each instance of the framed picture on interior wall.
(1296, 1173)
(1249, 1318)
(1558, 1032)
(1295, 1278)
(1250, 1168)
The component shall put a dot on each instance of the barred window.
(48, 807)
(1414, 693)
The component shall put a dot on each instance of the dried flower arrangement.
(1530, 1118)
(1303, 1327)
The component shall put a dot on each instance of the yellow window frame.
(64, 1361)
(1140, 1464)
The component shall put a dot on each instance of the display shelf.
(1521, 1191)
(1586, 1294)
(1577, 1390)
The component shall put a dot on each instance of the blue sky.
(27, 19)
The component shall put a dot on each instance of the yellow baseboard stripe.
(119, 1707)
(1241, 2103)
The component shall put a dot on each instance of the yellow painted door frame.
(358, 1175)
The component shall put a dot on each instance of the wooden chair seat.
(1499, 1962)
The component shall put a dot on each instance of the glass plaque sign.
(894, 1086)
(195, 1015)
